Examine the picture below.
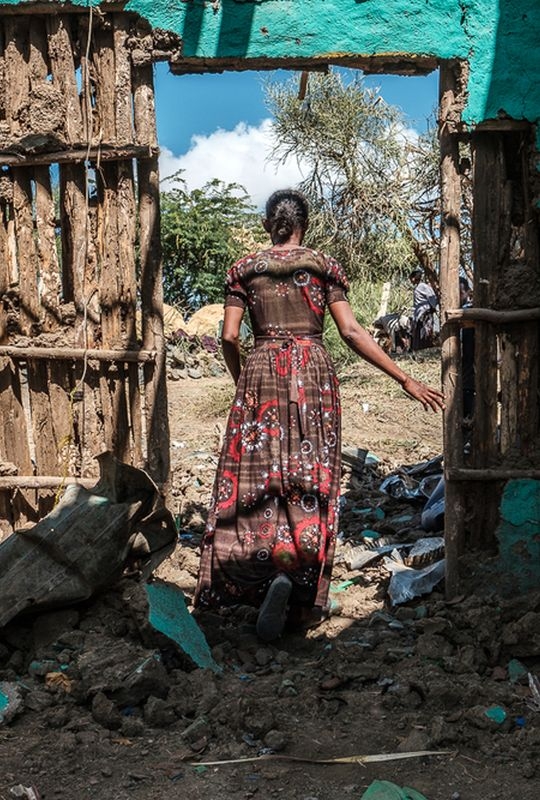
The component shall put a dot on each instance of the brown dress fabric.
(275, 502)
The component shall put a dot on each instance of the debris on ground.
(86, 542)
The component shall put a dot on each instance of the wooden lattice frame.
(79, 251)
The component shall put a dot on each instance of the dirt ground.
(129, 715)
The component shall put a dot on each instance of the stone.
(105, 712)
(158, 713)
(126, 673)
(259, 723)
(263, 656)
(433, 646)
(276, 740)
(415, 741)
(132, 727)
(38, 700)
(197, 730)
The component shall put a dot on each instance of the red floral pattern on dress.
(275, 502)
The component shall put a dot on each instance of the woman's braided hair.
(286, 210)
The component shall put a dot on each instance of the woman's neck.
(294, 240)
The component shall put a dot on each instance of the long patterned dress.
(275, 502)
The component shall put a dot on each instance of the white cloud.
(237, 156)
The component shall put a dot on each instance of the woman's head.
(286, 211)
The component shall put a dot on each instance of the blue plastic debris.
(496, 714)
(10, 701)
(168, 615)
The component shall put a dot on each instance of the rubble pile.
(421, 675)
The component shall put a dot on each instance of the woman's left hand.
(430, 398)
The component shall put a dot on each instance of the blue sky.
(218, 125)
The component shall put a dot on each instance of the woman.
(273, 519)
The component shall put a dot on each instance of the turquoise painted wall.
(519, 533)
(499, 38)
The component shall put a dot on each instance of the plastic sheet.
(407, 583)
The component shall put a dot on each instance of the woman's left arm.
(230, 339)
(359, 340)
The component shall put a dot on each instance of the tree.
(203, 232)
(373, 186)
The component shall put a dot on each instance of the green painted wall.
(498, 37)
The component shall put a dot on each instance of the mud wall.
(497, 37)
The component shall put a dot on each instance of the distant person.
(425, 304)
(273, 517)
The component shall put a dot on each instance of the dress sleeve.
(337, 284)
(235, 293)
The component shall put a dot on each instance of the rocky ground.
(108, 708)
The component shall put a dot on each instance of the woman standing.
(273, 518)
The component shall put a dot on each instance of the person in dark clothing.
(425, 304)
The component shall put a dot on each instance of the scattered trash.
(433, 512)
(10, 701)
(86, 542)
(403, 487)
(27, 792)
(168, 615)
(516, 671)
(407, 582)
(534, 686)
(414, 483)
(425, 551)
(385, 790)
(359, 557)
(495, 714)
(354, 457)
(369, 759)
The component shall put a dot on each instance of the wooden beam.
(78, 354)
(491, 229)
(493, 474)
(77, 155)
(492, 315)
(13, 482)
(451, 346)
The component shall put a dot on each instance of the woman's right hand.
(430, 398)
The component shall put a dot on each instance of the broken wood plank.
(27, 260)
(45, 445)
(49, 268)
(451, 347)
(61, 49)
(123, 94)
(104, 83)
(17, 77)
(4, 271)
(73, 219)
(157, 423)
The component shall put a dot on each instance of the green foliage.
(368, 180)
(203, 232)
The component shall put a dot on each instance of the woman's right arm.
(230, 339)
(359, 340)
